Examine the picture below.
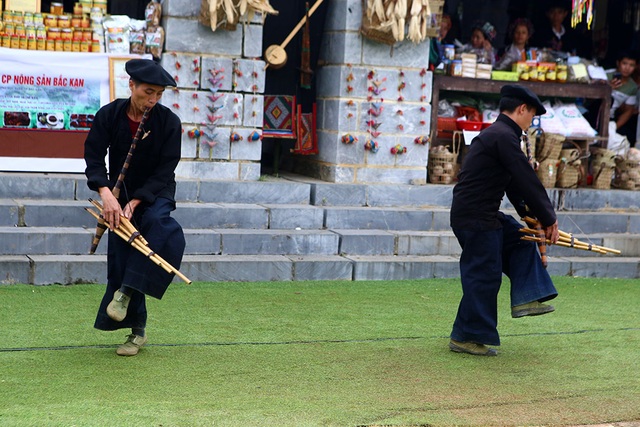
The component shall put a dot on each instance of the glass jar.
(38, 19)
(18, 17)
(66, 34)
(30, 31)
(77, 34)
(64, 21)
(41, 32)
(456, 68)
(56, 8)
(53, 33)
(76, 21)
(50, 20)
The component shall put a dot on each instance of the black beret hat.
(525, 95)
(148, 71)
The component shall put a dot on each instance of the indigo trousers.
(486, 255)
(127, 266)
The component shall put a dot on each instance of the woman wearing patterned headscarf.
(482, 35)
(520, 31)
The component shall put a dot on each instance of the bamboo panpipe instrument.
(101, 227)
(566, 239)
(128, 232)
(564, 244)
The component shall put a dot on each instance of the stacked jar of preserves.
(53, 31)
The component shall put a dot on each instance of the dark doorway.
(276, 154)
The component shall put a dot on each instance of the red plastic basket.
(446, 126)
(468, 125)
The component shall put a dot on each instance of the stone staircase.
(294, 228)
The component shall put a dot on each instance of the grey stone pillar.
(374, 93)
(220, 90)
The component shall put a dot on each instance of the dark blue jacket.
(493, 166)
(151, 171)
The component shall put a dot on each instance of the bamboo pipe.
(137, 243)
(564, 244)
(100, 227)
(532, 221)
(572, 243)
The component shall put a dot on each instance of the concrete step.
(70, 269)
(294, 189)
(215, 241)
(46, 241)
(71, 213)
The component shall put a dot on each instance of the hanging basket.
(569, 174)
(571, 170)
(548, 172)
(603, 165)
(442, 166)
(602, 176)
(548, 146)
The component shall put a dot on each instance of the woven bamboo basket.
(603, 166)
(627, 174)
(571, 170)
(569, 174)
(548, 172)
(602, 176)
(442, 166)
(548, 146)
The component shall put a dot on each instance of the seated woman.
(482, 34)
(520, 32)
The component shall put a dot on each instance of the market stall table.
(600, 91)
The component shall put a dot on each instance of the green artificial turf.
(318, 354)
